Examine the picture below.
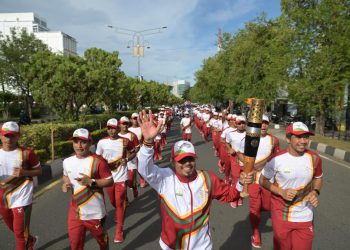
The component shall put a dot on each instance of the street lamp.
(138, 42)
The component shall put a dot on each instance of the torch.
(252, 138)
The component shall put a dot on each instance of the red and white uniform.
(87, 207)
(293, 217)
(16, 194)
(187, 133)
(132, 164)
(224, 162)
(260, 198)
(184, 199)
(19, 190)
(235, 139)
(89, 204)
(113, 150)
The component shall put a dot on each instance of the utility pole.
(138, 42)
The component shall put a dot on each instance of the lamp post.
(138, 42)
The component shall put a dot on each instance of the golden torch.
(252, 139)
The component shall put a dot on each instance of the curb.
(319, 147)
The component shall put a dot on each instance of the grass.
(334, 142)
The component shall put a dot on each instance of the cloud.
(176, 53)
(232, 10)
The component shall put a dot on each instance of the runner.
(234, 139)
(132, 160)
(185, 192)
(135, 128)
(18, 166)
(85, 175)
(297, 180)
(260, 198)
(186, 125)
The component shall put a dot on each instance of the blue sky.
(176, 53)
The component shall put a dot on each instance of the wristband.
(93, 183)
(148, 144)
(317, 191)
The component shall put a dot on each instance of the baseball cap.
(112, 123)
(10, 128)
(133, 115)
(298, 128)
(240, 118)
(182, 149)
(124, 119)
(81, 133)
(215, 113)
(265, 118)
(230, 117)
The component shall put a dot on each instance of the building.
(57, 41)
(179, 87)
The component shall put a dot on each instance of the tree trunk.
(320, 122)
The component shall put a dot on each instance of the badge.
(179, 192)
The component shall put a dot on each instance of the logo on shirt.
(179, 192)
(287, 171)
(203, 192)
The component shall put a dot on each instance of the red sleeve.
(222, 191)
(130, 146)
(276, 147)
(32, 159)
(318, 170)
(103, 171)
(136, 141)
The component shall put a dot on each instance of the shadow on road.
(239, 238)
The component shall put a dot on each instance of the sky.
(175, 53)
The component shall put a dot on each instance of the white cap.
(9, 128)
(124, 119)
(112, 123)
(182, 149)
(82, 133)
(240, 118)
(265, 118)
(133, 115)
(215, 113)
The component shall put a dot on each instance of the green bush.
(43, 155)
(62, 149)
(98, 134)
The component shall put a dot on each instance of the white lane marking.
(341, 164)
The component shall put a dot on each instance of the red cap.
(298, 128)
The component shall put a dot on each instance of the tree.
(16, 51)
(320, 54)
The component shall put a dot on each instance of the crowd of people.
(285, 182)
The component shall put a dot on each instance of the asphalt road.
(230, 227)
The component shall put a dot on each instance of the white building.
(57, 41)
(179, 87)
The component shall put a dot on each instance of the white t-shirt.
(18, 190)
(205, 118)
(93, 208)
(132, 164)
(137, 132)
(296, 172)
(185, 122)
(113, 150)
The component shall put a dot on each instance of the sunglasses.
(239, 123)
(124, 123)
(109, 128)
(134, 118)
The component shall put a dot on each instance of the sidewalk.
(280, 132)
